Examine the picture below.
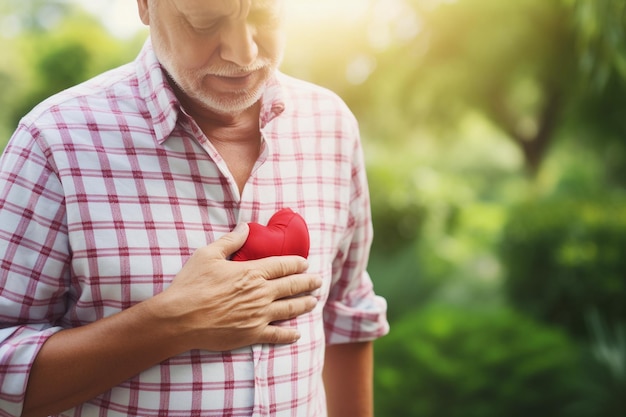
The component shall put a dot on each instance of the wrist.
(167, 327)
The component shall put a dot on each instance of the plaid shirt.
(106, 190)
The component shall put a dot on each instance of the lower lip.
(236, 81)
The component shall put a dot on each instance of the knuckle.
(294, 287)
(288, 265)
(282, 267)
(252, 279)
(272, 334)
(292, 310)
(252, 272)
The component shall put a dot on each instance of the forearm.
(76, 365)
(348, 378)
(212, 304)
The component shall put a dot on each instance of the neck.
(212, 120)
(236, 136)
(235, 126)
(208, 118)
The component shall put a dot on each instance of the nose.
(238, 44)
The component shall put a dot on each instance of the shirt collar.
(157, 93)
(164, 107)
(273, 101)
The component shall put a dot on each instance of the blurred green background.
(495, 137)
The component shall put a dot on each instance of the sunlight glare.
(120, 16)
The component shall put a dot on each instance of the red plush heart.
(286, 233)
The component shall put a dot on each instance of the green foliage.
(565, 257)
(598, 125)
(56, 69)
(512, 62)
(397, 211)
(453, 361)
(601, 391)
(75, 48)
(602, 39)
(438, 208)
(400, 278)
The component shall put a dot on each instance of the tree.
(513, 62)
(526, 66)
(601, 33)
(601, 45)
(52, 53)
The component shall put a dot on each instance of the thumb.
(233, 241)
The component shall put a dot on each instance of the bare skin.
(237, 139)
(212, 304)
(348, 375)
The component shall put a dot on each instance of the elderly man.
(122, 202)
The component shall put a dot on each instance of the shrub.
(601, 390)
(565, 258)
(447, 361)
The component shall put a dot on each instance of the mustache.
(229, 70)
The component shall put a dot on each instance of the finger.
(231, 242)
(291, 308)
(278, 335)
(295, 285)
(280, 266)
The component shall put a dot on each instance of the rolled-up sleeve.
(18, 348)
(353, 312)
(34, 262)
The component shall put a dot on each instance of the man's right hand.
(212, 304)
(216, 304)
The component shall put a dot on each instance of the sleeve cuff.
(19, 347)
(364, 321)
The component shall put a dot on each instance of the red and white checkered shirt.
(106, 190)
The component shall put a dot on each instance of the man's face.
(220, 53)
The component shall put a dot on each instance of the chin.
(227, 104)
(230, 106)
